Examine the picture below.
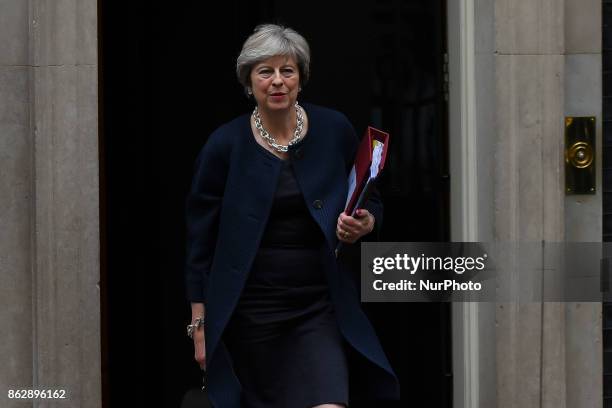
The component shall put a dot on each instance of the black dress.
(283, 337)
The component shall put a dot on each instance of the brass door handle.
(580, 174)
(579, 155)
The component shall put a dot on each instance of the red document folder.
(361, 179)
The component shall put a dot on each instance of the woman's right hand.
(199, 345)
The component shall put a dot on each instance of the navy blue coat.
(227, 209)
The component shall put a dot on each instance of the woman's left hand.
(350, 229)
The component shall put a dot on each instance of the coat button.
(318, 204)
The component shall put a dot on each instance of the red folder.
(361, 178)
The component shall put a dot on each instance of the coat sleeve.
(203, 206)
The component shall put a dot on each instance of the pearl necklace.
(297, 133)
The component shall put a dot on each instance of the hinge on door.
(446, 77)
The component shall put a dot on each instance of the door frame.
(464, 190)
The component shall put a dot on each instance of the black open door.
(167, 80)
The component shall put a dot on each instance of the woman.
(274, 314)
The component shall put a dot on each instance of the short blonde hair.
(270, 40)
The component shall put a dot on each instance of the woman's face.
(275, 83)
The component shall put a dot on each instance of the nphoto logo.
(423, 284)
(449, 284)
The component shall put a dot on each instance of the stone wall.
(536, 62)
(584, 213)
(49, 246)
